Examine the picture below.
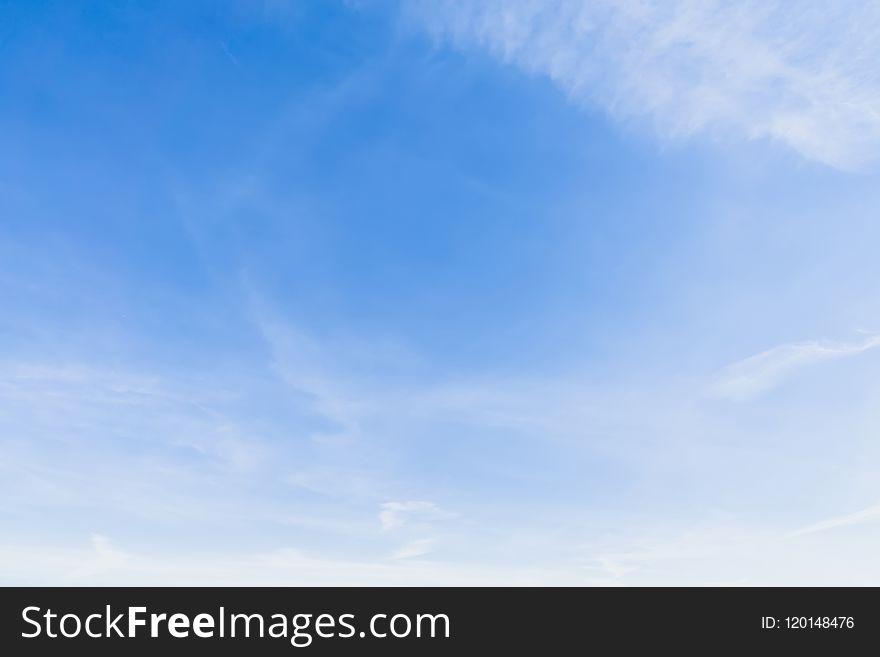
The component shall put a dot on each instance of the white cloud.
(345, 378)
(105, 557)
(664, 441)
(88, 406)
(726, 552)
(394, 514)
(870, 514)
(614, 568)
(62, 565)
(760, 373)
(414, 549)
(803, 73)
(712, 552)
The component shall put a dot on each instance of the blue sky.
(370, 292)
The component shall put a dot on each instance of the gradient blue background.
(308, 292)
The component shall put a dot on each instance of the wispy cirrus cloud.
(864, 516)
(713, 551)
(416, 548)
(106, 557)
(394, 514)
(803, 74)
(762, 372)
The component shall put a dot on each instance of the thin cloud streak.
(868, 515)
(755, 375)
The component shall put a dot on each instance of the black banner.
(432, 621)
